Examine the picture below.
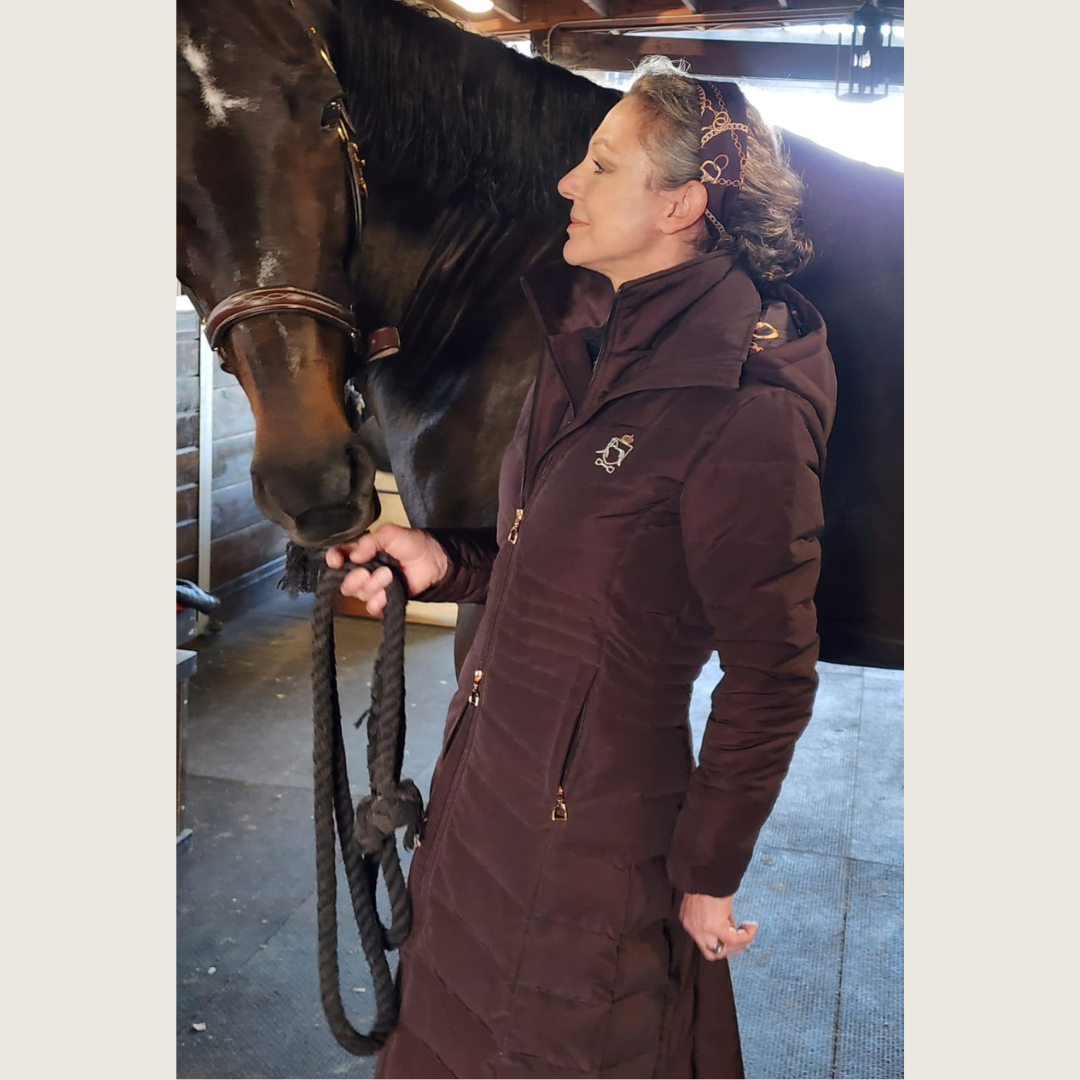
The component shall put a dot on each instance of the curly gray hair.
(762, 233)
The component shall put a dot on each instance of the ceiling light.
(474, 7)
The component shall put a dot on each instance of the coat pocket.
(459, 704)
(571, 742)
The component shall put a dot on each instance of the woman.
(660, 499)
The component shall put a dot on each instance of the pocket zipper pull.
(560, 811)
(512, 537)
(474, 697)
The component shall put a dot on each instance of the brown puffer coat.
(667, 506)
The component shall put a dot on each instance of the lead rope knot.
(378, 816)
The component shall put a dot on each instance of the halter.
(284, 299)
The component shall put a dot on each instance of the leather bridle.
(285, 299)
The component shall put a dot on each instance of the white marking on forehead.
(268, 267)
(217, 102)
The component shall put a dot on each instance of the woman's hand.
(708, 920)
(421, 556)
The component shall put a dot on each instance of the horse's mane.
(460, 117)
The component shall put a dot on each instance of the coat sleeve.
(751, 516)
(470, 555)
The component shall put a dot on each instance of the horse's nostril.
(326, 521)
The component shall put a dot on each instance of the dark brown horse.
(464, 142)
(262, 202)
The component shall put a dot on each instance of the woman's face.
(616, 216)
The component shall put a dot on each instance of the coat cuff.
(470, 555)
(720, 876)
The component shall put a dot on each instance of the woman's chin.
(572, 253)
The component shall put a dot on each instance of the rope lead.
(366, 836)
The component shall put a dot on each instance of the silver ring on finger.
(717, 949)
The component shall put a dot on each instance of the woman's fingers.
(364, 584)
(732, 939)
(364, 549)
(360, 551)
(368, 587)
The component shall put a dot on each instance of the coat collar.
(688, 325)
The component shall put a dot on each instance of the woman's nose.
(568, 187)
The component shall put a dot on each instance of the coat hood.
(701, 323)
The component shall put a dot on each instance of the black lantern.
(866, 59)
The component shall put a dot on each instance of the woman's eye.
(599, 168)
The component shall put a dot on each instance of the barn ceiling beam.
(514, 10)
(601, 7)
(656, 14)
(720, 59)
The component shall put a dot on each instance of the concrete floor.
(819, 993)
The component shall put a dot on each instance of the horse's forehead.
(217, 101)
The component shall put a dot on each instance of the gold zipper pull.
(474, 697)
(560, 812)
(516, 527)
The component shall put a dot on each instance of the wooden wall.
(246, 551)
(187, 445)
(246, 547)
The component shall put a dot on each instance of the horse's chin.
(320, 526)
(307, 540)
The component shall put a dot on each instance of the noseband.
(284, 299)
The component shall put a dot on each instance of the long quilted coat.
(658, 507)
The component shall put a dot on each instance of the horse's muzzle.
(326, 525)
(318, 500)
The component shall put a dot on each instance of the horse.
(459, 144)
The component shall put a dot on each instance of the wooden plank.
(187, 430)
(187, 394)
(187, 467)
(513, 10)
(720, 59)
(232, 413)
(232, 460)
(187, 503)
(187, 539)
(717, 14)
(601, 7)
(187, 357)
(233, 509)
(188, 567)
(244, 551)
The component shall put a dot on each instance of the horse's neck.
(469, 349)
(455, 270)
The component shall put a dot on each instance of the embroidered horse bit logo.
(612, 455)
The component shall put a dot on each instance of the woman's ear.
(691, 201)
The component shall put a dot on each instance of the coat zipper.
(560, 811)
(474, 702)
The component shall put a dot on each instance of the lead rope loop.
(367, 836)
